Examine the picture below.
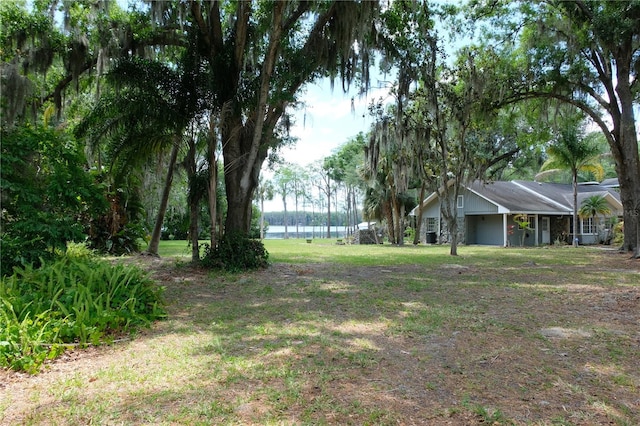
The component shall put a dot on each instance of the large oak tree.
(260, 55)
(585, 53)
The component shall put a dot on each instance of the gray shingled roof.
(537, 197)
(516, 198)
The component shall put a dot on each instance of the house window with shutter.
(532, 222)
(460, 203)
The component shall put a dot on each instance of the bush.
(618, 233)
(47, 197)
(77, 300)
(236, 252)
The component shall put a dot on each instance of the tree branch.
(242, 24)
(196, 11)
(303, 6)
(216, 25)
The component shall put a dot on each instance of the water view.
(277, 232)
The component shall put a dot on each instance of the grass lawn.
(379, 335)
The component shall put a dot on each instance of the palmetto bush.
(72, 301)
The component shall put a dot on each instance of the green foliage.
(122, 240)
(618, 233)
(254, 230)
(76, 300)
(47, 197)
(523, 225)
(236, 252)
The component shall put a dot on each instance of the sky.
(327, 122)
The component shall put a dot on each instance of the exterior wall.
(479, 222)
(485, 230)
(560, 229)
(474, 204)
(432, 210)
(588, 239)
(517, 237)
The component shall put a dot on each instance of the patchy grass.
(339, 334)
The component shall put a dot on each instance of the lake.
(277, 232)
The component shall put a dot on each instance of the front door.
(546, 234)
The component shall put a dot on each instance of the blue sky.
(330, 122)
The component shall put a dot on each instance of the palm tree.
(593, 206)
(147, 114)
(572, 151)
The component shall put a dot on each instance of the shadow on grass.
(517, 339)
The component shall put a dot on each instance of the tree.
(396, 145)
(387, 162)
(284, 184)
(260, 55)
(345, 167)
(466, 138)
(325, 186)
(134, 131)
(299, 181)
(265, 191)
(584, 53)
(47, 198)
(593, 206)
(572, 152)
(53, 46)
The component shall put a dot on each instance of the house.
(486, 212)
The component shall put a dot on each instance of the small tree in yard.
(523, 225)
(572, 151)
(593, 206)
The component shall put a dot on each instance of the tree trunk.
(297, 219)
(416, 237)
(452, 224)
(628, 167)
(164, 201)
(194, 202)
(397, 215)
(194, 210)
(449, 211)
(262, 217)
(387, 209)
(212, 185)
(286, 218)
(239, 191)
(575, 208)
(328, 209)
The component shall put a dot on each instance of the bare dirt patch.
(331, 344)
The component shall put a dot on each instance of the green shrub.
(618, 233)
(48, 198)
(76, 300)
(236, 252)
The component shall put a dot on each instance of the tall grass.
(72, 301)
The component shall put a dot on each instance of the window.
(460, 201)
(589, 226)
(532, 222)
(431, 224)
